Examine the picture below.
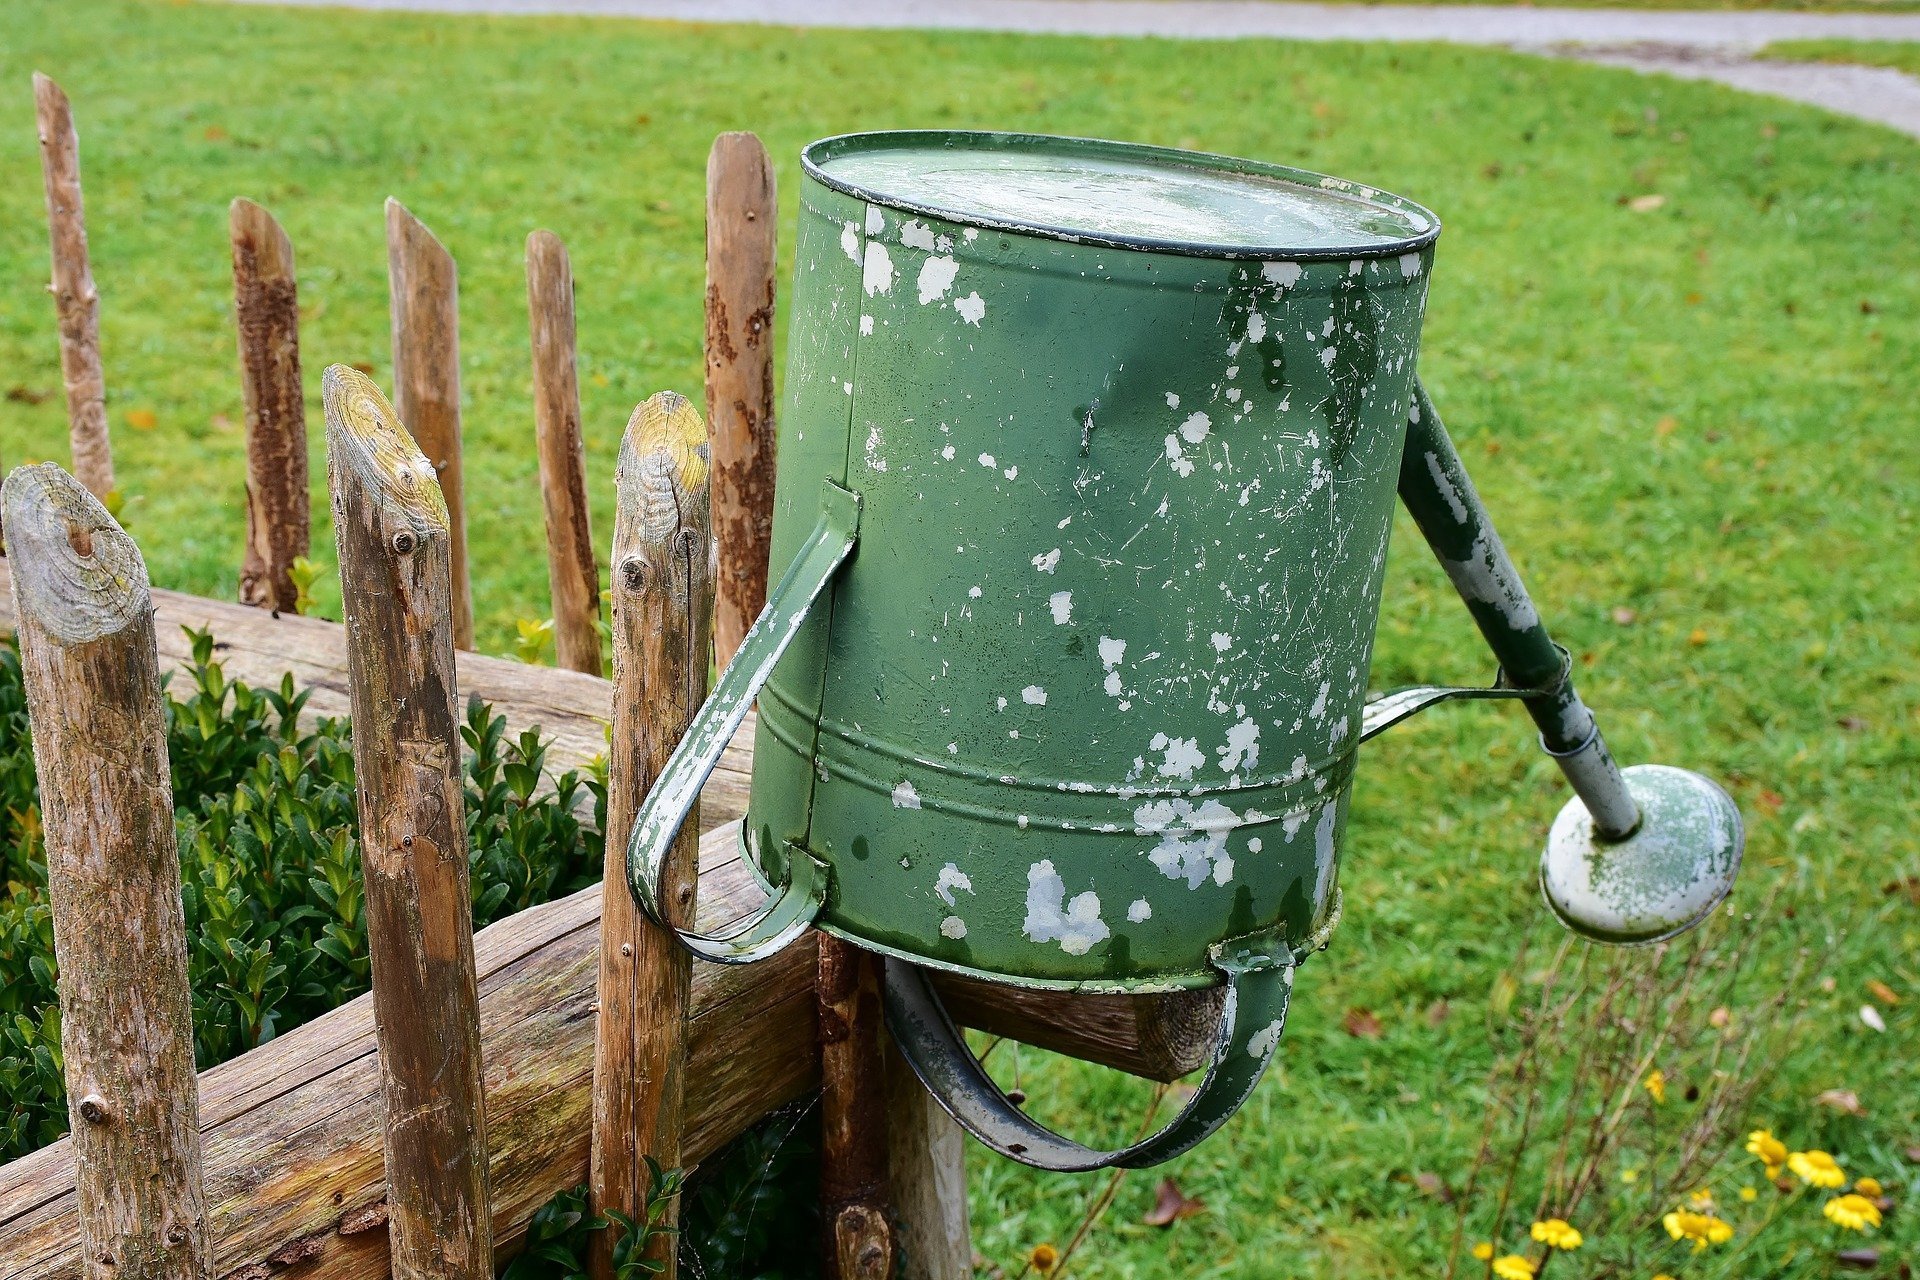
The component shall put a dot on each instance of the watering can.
(1084, 487)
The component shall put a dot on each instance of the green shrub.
(270, 869)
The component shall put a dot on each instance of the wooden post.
(266, 314)
(75, 299)
(395, 540)
(853, 1114)
(424, 292)
(100, 748)
(662, 620)
(571, 571)
(741, 222)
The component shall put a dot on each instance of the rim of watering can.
(815, 155)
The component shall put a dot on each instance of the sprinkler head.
(1665, 877)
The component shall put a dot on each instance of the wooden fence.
(413, 1132)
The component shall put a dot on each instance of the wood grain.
(266, 315)
(113, 875)
(663, 642)
(855, 1208)
(424, 303)
(572, 574)
(393, 536)
(741, 258)
(76, 301)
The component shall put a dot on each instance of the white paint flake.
(905, 797)
(1195, 428)
(850, 241)
(986, 460)
(947, 453)
(1034, 696)
(1140, 911)
(876, 276)
(1243, 747)
(953, 927)
(1075, 925)
(1264, 1041)
(951, 878)
(1409, 265)
(1179, 756)
(1193, 839)
(1222, 641)
(1256, 327)
(936, 277)
(917, 235)
(1284, 274)
(1111, 652)
(1319, 707)
(866, 326)
(876, 221)
(1061, 602)
(1173, 401)
(1179, 461)
(973, 592)
(1047, 561)
(971, 308)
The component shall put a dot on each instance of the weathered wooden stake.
(571, 571)
(741, 222)
(859, 1241)
(395, 541)
(113, 870)
(662, 620)
(266, 314)
(75, 299)
(424, 292)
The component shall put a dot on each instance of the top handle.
(797, 901)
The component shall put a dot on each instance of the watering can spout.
(1638, 854)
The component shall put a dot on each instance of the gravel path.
(1709, 45)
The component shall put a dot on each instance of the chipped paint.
(971, 308)
(904, 796)
(936, 277)
(1075, 925)
(1060, 604)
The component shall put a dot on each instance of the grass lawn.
(1901, 55)
(1692, 416)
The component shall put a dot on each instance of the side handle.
(797, 901)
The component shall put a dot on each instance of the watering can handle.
(796, 902)
(1259, 975)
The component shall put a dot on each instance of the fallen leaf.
(1770, 800)
(1362, 1023)
(142, 419)
(1871, 1016)
(1858, 1259)
(1909, 885)
(1913, 1155)
(1666, 426)
(1646, 203)
(1841, 1100)
(1828, 984)
(29, 395)
(1435, 1186)
(1698, 637)
(1882, 992)
(1169, 1205)
(1720, 1017)
(221, 422)
(1437, 1012)
(1625, 617)
(1852, 724)
(215, 133)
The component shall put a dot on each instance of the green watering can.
(1085, 482)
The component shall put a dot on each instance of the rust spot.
(720, 346)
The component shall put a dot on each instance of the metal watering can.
(1085, 483)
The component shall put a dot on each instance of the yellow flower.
(1701, 1228)
(1044, 1258)
(1556, 1233)
(1870, 1188)
(1702, 1200)
(1483, 1250)
(1748, 1193)
(1663, 1276)
(1629, 1176)
(1855, 1213)
(1768, 1150)
(1817, 1169)
(1656, 1085)
(1513, 1267)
